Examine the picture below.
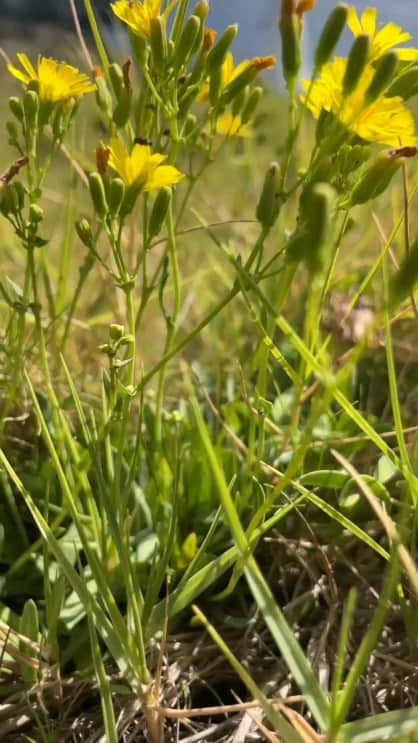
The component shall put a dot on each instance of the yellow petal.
(27, 65)
(353, 22)
(407, 55)
(18, 74)
(369, 21)
(165, 175)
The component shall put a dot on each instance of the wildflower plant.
(121, 470)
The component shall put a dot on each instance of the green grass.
(208, 452)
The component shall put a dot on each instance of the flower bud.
(217, 54)
(158, 42)
(238, 84)
(159, 211)
(240, 101)
(404, 281)
(115, 195)
(103, 97)
(251, 105)
(383, 76)
(31, 108)
(123, 109)
(215, 85)
(16, 107)
(330, 35)
(314, 234)
(405, 85)
(116, 332)
(376, 178)
(98, 195)
(209, 38)
(357, 60)
(185, 46)
(268, 208)
(12, 132)
(139, 49)
(20, 194)
(290, 32)
(36, 214)
(201, 10)
(116, 78)
(85, 232)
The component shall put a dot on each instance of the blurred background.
(257, 20)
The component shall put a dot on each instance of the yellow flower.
(138, 14)
(383, 39)
(56, 81)
(231, 126)
(229, 72)
(139, 168)
(386, 121)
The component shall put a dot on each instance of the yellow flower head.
(140, 168)
(231, 126)
(55, 81)
(230, 71)
(383, 39)
(138, 14)
(386, 120)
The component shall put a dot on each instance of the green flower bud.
(123, 109)
(20, 194)
(12, 132)
(268, 208)
(376, 178)
(116, 78)
(314, 234)
(217, 54)
(36, 214)
(10, 202)
(139, 49)
(103, 97)
(201, 10)
(215, 85)
(405, 84)
(97, 192)
(31, 108)
(115, 195)
(185, 46)
(116, 332)
(16, 107)
(350, 158)
(357, 60)
(383, 76)
(253, 100)
(188, 99)
(330, 36)
(403, 283)
(158, 41)
(159, 211)
(290, 32)
(240, 101)
(237, 86)
(84, 231)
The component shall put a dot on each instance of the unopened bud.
(116, 78)
(268, 208)
(115, 195)
(357, 60)
(209, 39)
(123, 109)
(98, 195)
(31, 107)
(314, 234)
(253, 100)
(16, 107)
(189, 125)
(103, 97)
(159, 211)
(240, 101)
(116, 332)
(185, 46)
(239, 83)
(85, 232)
(217, 54)
(139, 49)
(376, 178)
(215, 85)
(201, 10)
(36, 214)
(158, 41)
(330, 36)
(383, 76)
(290, 32)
